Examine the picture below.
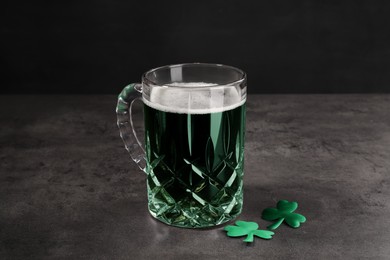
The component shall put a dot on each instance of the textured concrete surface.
(68, 189)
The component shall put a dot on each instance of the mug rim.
(148, 81)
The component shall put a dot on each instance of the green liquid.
(195, 166)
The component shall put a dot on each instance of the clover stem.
(276, 224)
(249, 238)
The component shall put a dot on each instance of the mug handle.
(126, 99)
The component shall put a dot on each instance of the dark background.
(285, 46)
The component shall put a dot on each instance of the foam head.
(194, 98)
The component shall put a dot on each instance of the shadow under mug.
(193, 155)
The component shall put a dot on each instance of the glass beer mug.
(193, 155)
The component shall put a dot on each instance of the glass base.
(189, 213)
(191, 225)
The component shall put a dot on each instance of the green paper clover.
(283, 212)
(248, 229)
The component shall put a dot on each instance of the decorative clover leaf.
(248, 229)
(283, 212)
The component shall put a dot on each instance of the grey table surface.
(68, 189)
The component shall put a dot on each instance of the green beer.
(194, 162)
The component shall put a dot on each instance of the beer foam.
(206, 98)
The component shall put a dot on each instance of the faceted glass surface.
(195, 166)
